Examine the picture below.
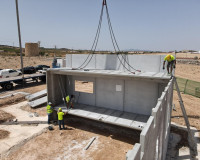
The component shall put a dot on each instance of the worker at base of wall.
(49, 111)
(60, 118)
(171, 62)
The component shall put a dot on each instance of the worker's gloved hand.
(163, 67)
(174, 66)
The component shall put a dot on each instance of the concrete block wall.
(145, 63)
(154, 137)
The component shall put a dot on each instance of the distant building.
(136, 52)
(188, 51)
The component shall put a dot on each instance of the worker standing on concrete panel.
(70, 101)
(171, 61)
(67, 101)
(60, 118)
(49, 111)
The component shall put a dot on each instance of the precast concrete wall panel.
(140, 96)
(69, 60)
(148, 140)
(106, 61)
(109, 93)
(150, 63)
(79, 59)
(154, 137)
(57, 90)
(135, 153)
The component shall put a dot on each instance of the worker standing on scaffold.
(171, 62)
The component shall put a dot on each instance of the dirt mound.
(4, 116)
(12, 100)
(4, 134)
(41, 111)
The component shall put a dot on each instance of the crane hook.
(104, 2)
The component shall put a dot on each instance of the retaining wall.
(154, 136)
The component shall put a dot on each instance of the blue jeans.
(61, 122)
(49, 117)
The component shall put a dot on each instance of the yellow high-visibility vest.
(67, 99)
(169, 58)
(49, 109)
(60, 115)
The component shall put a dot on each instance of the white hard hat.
(50, 103)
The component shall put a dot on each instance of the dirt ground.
(110, 143)
(188, 71)
(5, 116)
(192, 107)
(4, 134)
(14, 62)
(40, 110)
(29, 88)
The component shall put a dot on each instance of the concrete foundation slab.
(124, 119)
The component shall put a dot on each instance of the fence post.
(185, 85)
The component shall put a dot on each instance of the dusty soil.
(83, 86)
(12, 100)
(14, 62)
(29, 88)
(4, 116)
(40, 110)
(4, 134)
(111, 142)
(188, 71)
(180, 55)
(192, 107)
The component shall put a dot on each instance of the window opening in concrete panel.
(84, 86)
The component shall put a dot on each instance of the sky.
(158, 25)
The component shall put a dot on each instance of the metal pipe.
(20, 43)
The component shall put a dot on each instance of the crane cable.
(94, 43)
(114, 42)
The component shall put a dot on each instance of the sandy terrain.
(5, 116)
(40, 110)
(69, 144)
(3, 134)
(188, 71)
(192, 108)
(180, 55)
(30, 88)
(14, 62)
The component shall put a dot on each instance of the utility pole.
(20, 43)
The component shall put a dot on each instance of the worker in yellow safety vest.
(60, 118)
(70, 101)
(171, 61)
(49, 111)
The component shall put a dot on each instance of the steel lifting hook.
(104, 2)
